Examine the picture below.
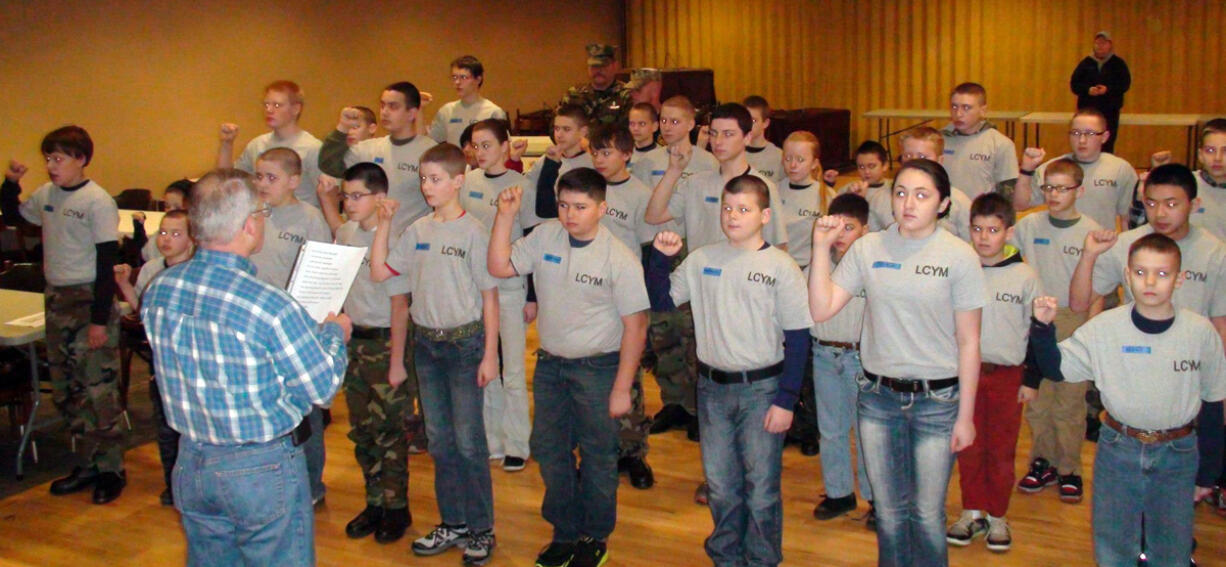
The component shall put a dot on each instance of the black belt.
(910, 386)
(736, 377)
(840, 344)
(371, 333)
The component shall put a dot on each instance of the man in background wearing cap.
(644, 86)
(605, 99)
(1100, 81)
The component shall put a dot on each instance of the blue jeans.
(571, 397)
(1135, 481)
(835, 371)
(245, 504)
(315, 454)
(452, 404)
(906, 448)
(742, 463)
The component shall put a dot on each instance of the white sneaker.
(969, 526)
(999, 538)
(440, 539)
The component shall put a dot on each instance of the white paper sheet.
(322, 276)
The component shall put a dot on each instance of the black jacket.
(1114, 75)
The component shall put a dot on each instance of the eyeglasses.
(1084, 133)
(355, 197)
(457, 78)
(1058, 189)
(264, 211)
(910, 156)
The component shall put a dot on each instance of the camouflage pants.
(634, 426)
(85, 381)
(671, 337)
(377, 413)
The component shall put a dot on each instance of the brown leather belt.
(837, 344)
(1148, 436)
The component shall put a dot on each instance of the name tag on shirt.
(661, 172)
(1134, 349)
(1042, 241)
(712, 272)
(456, 120)
(553, 259)
(476, 194)
(423, 245)
(710, 199)
(890, 265)
(378, 160)
(949, 152)
(49, 208)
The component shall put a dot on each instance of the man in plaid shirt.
(240, 363)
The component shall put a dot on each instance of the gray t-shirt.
(768, 160)
(651, 167)
(73, 223)
(451, 120)
(583, 292)
(742, 300)
(1211, 215)
(846, 325)
(1204, 268)
(289, 227)
(304, 144)
(1148, 381)
(976, 163)
(479, 197)
(1052, 251)
(880, 204)
(1110, 183)
(697, 200)
(446, 269)
(528, 213)
(914, 287)
(626, 205)
(1005, 326)
(803, 206)
(400, 163)
(958, 221)
(369, 303)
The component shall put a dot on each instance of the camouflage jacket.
(602, 107)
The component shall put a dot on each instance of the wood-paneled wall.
(890, 54)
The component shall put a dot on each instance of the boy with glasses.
(467, 76)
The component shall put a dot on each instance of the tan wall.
(152, 81)
(890, 54)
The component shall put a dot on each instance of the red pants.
(985, 469)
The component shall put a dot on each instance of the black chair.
(135, 199)
(24, 277)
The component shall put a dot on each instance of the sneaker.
(513, 464)
(831, 508)
(999, 537)
(556, 554)
(479, 548)
(870, 519)
(703, 494)
(969, 526)
(1041, 475)
(590, 553)
(1070, 488)
(440, 539)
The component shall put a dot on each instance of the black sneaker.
(1041, 475)
(590, 553)
(831, 508)
(556, 554)
(513, 464)
(1070, 488)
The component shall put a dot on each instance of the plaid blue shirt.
(237, 360)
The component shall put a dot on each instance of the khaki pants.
(1057, 415)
